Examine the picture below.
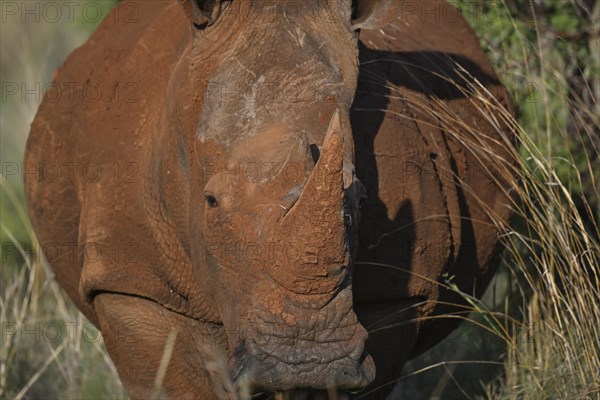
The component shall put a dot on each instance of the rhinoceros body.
(240, 184)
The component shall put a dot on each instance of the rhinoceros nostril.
(348, 219)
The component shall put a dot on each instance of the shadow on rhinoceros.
(386, 256)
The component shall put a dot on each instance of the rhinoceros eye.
(211, 201)
(315, 152)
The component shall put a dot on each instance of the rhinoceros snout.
(259, 375)
(299, 347)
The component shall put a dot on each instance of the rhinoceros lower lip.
(280, 363)
(259, 376)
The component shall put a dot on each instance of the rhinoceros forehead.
(286, 74)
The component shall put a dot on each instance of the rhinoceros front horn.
(323, 193)
(316, 221)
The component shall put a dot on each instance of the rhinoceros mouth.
(290, 358)
(268, 375)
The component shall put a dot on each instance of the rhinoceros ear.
(203, 13)
(375, 14)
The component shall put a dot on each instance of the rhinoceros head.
(280, 251)
(276, 204)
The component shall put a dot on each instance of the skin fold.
(275, 192)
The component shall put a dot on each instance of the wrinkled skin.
(271, 233)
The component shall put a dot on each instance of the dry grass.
(554, 258)
(48, 349)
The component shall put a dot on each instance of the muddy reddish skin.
(177, 244)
